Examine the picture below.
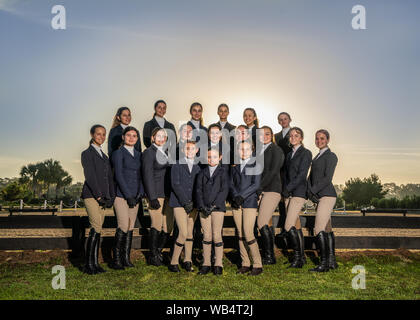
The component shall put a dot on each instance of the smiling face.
(321, 140)
(186, 133)
(98, 136)
(213, 158)
(245, 150)
(190, 150)
(160, 109)
(266, 136)
(215, 135)
(223, 113)
(130, 138)
(125, 117)
(196, 113)
(160, 138)
(249, 117)
(295, 138)
(284, 121)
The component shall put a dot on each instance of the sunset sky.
(302, 57)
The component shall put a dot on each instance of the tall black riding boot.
(332, 263)
(163, 238)
(117, 250)
(97, 239)
(154, 253)
(267, 241)
(322, 246)
(302, 245)
(297, 261)
(90, 254)
(127, 240)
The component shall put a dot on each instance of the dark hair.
(214, 125)
(93, 129)
(242, 126)
(298, 130)
(285, 113)
(127, 129)
(116, 122)
(222, 105)
(327, 134)
(256, 122)
(197, 104)
(156, 104)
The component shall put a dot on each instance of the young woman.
(294, 191)
(158, 121)
(157, 184)
(98, 192)
(121, 121)
(199, 130)
(241, 134)
(282, 140)
(185, 134)
(212, 191)
(227, 129)
(245, 181)
(223, 113)
(127, 168)
(217, 140)
(270, 190)
(282, 137)
(183, 183)
(321, 190)
(251, 121)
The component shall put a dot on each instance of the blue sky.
(302, 57)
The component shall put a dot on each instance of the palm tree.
(29, 174)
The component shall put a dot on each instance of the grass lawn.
(389, 275)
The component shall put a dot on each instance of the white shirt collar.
(222, 123)
(97, 148)
(285, 131)
(321, 152)
(196, 123)
(265, 146)
(123, 126)
(160, 121)
(212, 144)
(250, 128)
(212, 170)
(130, 149)
(296, 147)
(243, 163)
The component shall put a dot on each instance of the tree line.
(47, 180)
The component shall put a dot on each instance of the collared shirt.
(212, 169)
(123, 126)
(321, 152)
(243, 163)
(160, 121)
(212, 144)
(284, 131)
(190, 163)
(98, 149)
(196, 123)
(222, 123)
(160, 148)
(130, 149)
(294, 150)
(265, 146)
